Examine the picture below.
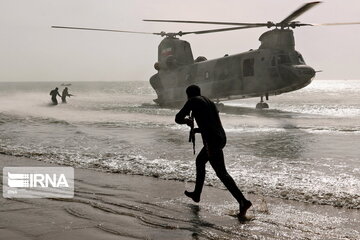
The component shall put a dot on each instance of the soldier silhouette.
(213, 135)
(54, 93)
(65, 94)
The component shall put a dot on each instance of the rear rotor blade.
(104, 30)
(217, 30)
(299, 11)
(207, 22)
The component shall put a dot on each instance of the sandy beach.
(118, 206)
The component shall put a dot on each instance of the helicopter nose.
(305, 71)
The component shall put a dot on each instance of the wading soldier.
(213, 135)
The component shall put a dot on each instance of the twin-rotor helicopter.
(272, 69)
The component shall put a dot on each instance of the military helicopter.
(275, 68)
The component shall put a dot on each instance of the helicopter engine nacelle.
(200, 59)
(157, 66)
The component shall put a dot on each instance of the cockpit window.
(298, 58)
(284, 59)
(301, 59)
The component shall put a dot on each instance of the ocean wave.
(134, 124)
(14, 118)
(313, 187)
(320, 130)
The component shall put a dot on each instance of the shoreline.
(118, 206)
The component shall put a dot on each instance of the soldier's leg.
(216, 159)
(201, 161)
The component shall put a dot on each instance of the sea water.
(306, 147)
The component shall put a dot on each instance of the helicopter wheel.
(262, 104)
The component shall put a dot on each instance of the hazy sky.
(31, 51)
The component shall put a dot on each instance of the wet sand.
(117, 206)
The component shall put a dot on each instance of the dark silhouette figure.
(213, 135)
(65, 94)
(54, 93)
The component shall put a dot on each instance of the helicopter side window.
(248, 66)
(207, 75)
(284, 59)
(273, 62)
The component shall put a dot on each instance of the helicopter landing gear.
(262, 104)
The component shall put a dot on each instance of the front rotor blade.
(218, 30)
(104, 30)
(299, 11)
(207, 22)
(334, 24)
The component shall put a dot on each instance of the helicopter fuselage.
(275, 68)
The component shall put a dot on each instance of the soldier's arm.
(180, 117)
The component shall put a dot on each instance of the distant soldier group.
(55, 92)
